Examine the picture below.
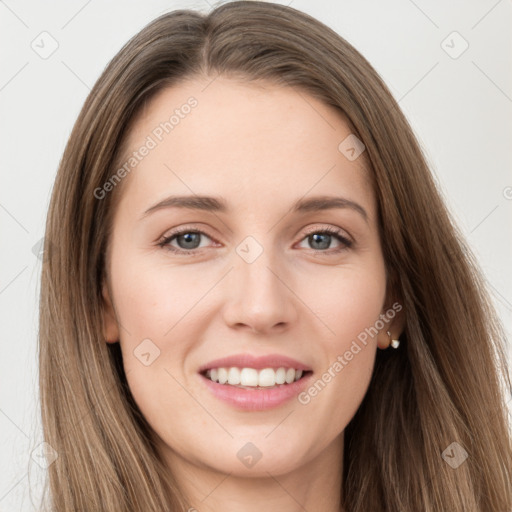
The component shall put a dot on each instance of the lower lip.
(256, 399)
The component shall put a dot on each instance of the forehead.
(249, 142)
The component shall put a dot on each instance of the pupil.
(325, 244)
(191, 240)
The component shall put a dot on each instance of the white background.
(460, 109)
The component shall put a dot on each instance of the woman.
(241, 218)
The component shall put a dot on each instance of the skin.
(261, 148)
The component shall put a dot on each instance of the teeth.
(290, 375)
(280, 376)
(248, 376)
(223, 375)
(233, 376)
(267, 377)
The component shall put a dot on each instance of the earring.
(394, 343)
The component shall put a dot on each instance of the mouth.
(255, 383)
(255, 379)
(251, 390)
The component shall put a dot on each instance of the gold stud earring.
(394, 343)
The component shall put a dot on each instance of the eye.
(188, 241)
(321, 239)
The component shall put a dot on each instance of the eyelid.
(328, 229)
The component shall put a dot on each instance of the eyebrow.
(217, 204)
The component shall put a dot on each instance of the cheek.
(349, 305)
(162, 309)
(154, 300)
(349, 301)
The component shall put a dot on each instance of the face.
(245, 274)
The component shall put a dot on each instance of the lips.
(253, 399)
(228, 380)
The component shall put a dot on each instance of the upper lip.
(258, 363)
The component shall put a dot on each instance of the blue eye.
(189, 240)
(323, 238)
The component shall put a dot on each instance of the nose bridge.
(259, 297)
(253, 270)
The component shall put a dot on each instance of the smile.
(252, 397)
(253, 378)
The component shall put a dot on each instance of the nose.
(261, 297)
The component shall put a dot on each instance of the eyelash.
(346, 243)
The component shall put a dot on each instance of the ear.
(110, 327)
(393, 316)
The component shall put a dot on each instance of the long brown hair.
(445, 384)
